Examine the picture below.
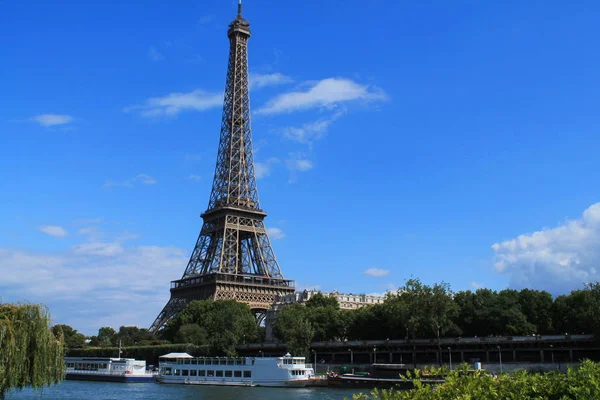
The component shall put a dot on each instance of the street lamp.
(552, 354)
(351, 360)
(450, 358)
(500, 357)
(374, 354)
(315, 360)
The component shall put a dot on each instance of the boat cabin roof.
(176, 355)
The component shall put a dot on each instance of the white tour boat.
(107, 369)
(234, 371)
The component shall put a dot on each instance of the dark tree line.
(417, 310)
(107, 337)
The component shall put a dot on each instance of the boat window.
(210, 373)
(228, 374)
(187, 361)
(238, 361)
(237, 374)
(194, 361)
(247, 374)
(185, 372)
(201, 361)
(193, 372)
(223, 361)
(202, 373)
(207, 361)
(230, 361)
(167, 371)
(220, 373)
(176, 372)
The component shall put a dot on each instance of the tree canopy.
(221, 324)
(31, 353)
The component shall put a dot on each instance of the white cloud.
(299, 164)
(86, 286)
(558, 259)
(325, 93)
(311, 131)
(275, 233)
(258, 81)
(476, 285)
(154, 54)
(377, 272)
(143, 179)
(174, 103)
(52, 119)
(53, 230)
(99, 249)
(263, 169)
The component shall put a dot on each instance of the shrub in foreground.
(581, 383)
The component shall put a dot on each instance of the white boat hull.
(224, 382)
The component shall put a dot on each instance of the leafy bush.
(581, 383)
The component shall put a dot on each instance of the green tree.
(429, 310)
(537, 307)
(107, 336)
(133, 336)
(72, 338)
(294, 329)
(579, 311)
(192, 334)
(30, 353)
(226, 323)
(320, 300)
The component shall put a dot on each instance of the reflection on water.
(71, 390)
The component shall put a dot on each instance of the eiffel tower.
(233, 258)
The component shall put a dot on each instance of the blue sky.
(453, 141)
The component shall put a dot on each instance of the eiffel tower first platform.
(233, 258)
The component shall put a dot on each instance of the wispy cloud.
(47, 120)
(325, 93)
(258, 81)
(376, 272)
(311, 131)
(53, 230)
(558, 259)
(87, 285)
(476, 285)
(263, 169)
(175, 103)
(142, 179)
(154, 54)
(297, 162)
(99, 249)
(275, 233)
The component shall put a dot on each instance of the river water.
(77, 390)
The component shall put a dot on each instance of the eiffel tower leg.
(173, 307)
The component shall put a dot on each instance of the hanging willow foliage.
(30, 354)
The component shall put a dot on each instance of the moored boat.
(107, 369)
(286, 371)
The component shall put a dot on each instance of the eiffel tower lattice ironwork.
(233, 258)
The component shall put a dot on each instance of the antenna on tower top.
(240, 8)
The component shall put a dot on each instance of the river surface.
(77, 390)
